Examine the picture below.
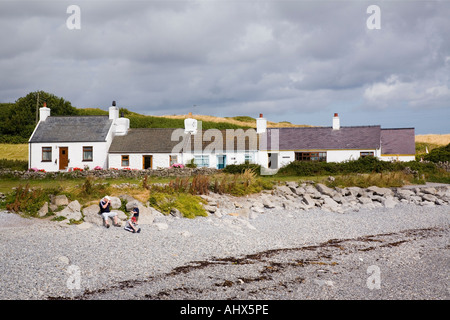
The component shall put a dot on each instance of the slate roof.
(398, 141)
(325, 138)
(159, 140)
(72, 129)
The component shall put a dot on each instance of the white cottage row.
(68, 142)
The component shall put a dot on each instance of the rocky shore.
(290, 196)
(294, 242)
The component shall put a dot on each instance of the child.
(131, 224)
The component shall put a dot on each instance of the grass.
(434, 139)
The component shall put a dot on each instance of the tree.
(19, 119)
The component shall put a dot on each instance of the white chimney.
(336, 122)
(190, 125)
(261, 124)
(113, 111)
(44, 112)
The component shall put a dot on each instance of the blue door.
(221, 161)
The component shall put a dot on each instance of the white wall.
(75, 155)
(159, 160)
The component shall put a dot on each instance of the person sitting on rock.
(132, 223)
(105, 211)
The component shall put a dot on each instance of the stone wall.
(110, 173)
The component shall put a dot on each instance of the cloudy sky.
(292, 60)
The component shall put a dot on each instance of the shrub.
(189, 205)
(441, 154)
(26, 200)
(19, 165)
(240, 168)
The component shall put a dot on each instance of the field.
(14, 151)
(438, 139)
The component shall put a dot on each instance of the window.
(201, 160)
(46, 154)
(87, 153)
(248, 158)
(366, 154)
(173, 160)
(311, 156)
(125, 161)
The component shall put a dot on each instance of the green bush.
(240, 168)
(189, 205)
(441, 154)
(26, 200)
(19, 165)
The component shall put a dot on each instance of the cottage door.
(221, 161)
(63, 158)
(147, 162)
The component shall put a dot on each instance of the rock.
(133, 203)
(308, 201)
(389, 202)
(365, 200)
(60, 200)
(429, 197)
(429, 190)
(380, 191)
(74, 205)
(267, 203)
(68, 213)
(176, 213)
(116, 203)
(43, 210)
(325, 190)
(147, 215)
(405, 193)
(91, 215)
(209, 208)
(331, 205)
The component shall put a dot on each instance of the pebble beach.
(325, 255)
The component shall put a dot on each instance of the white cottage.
(280, 146)
(64, 143)
(67, 142)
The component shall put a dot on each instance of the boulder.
(91, 215)
(176, 213)
(380, 191)
(116, 203)
(43, 210)
(325, 190)
(308, 201)
(389, 202)
(60, 200)
(72, 211)
(210, 208)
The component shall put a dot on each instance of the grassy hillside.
(240, 121)
(430, 142)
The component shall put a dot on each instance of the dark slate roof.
(304, 138)
(146, 140)
(159, 140)
(72, 129)
(398, 141)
